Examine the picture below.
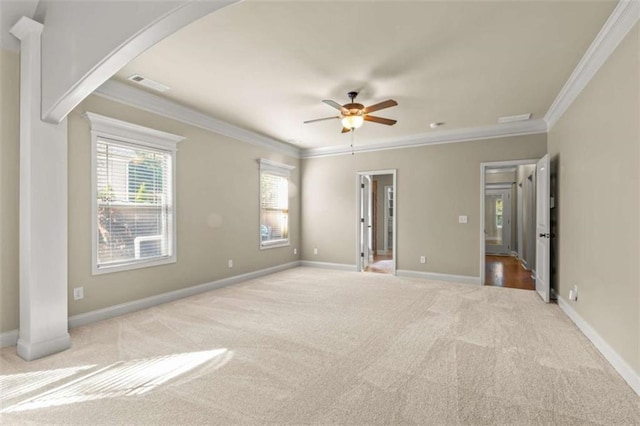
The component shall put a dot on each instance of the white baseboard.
(9, 338)
(35, 350)
(327, 265)
(383, 252)
(514, 253)
(136, 305)
(438, 277)
(610, 354)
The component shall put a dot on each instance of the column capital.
(26, 27)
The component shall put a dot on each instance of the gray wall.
(595, 149)
(435, 184)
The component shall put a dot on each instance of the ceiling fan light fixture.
(352, 121)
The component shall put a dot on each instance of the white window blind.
(133, 184)
(274, 204)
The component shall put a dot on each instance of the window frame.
(277, 169)
(108, 129)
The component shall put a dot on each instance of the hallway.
(506, 271)
(382, 264)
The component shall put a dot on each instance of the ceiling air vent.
(146, 82)
(512, 118)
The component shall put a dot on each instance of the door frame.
(385, 225)
(483, 169)
(359, 175)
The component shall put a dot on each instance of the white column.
(43, 210)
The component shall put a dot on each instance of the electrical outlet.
(78, 293)
(462, 219)
(573, 293)
(295, 251)
(315, 250)
(423, 259)
(230, 263)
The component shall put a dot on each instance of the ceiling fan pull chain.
(352, 136)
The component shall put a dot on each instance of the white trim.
(110, 127)
(622, 19)
(327, 265)
(125, 94)
(182, 15)
(124, 133)
(9, 338)
(483, 171)
(136, 305)
(610, 354)
(35, 350)
(26, 27)
(394, 250)
(278, 169)
(466, 279)
(492, 131)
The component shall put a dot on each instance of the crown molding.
(137, 98)
(111, 127)
(622, 19)
(493, 131)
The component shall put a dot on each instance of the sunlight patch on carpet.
(124, 378)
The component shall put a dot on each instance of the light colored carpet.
(317, 346)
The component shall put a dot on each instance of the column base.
(34, 350)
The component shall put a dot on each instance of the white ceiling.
(266, 65)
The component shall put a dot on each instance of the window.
(274, 204)
(133, 179)
(499, 213)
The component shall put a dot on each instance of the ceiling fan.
(353, 114)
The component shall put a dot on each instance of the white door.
(497, 221)
(365, 234)
(543, 229)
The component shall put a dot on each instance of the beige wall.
(217, 181)
(595, 147)
(435, 184)
(9, 169)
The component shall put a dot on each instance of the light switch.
(462, 219)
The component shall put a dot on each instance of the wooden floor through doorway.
(506, 271)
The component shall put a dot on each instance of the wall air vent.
(146, 82)
(512, 118)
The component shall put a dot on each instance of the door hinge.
(361, 254)
(361, 220)
(362, 185)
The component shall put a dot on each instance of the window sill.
(264, 245)
(133, 265)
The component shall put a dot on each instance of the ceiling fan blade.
(336, 105)
(382, 105)
(380, 120)
(321, 119)
(345, 130)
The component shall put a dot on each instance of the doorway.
(376, 221)
(508, 204)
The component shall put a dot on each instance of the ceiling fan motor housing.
(354, 109)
